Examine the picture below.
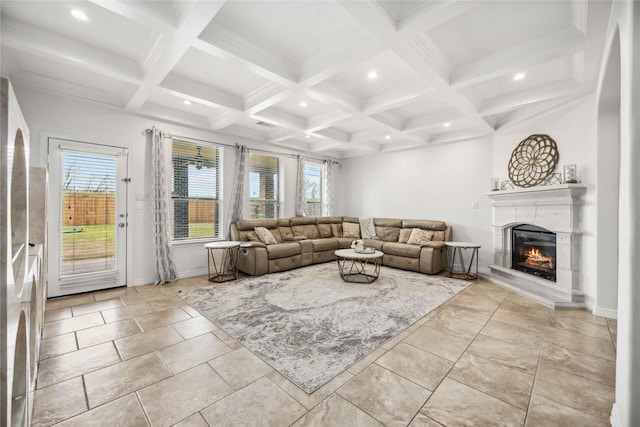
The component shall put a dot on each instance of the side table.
(223, 255)
(457, 249)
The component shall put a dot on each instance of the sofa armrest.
(252, 245)
(434, 244)
(296, 239)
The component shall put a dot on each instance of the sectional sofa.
(301, 241)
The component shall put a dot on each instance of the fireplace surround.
(546, 217)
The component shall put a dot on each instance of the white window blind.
(87, 244)
(313, 187)
(196, 190)
(264, 186)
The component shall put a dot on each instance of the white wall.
(52, 115)
(624, 19)
(439, 182)
(574, 130)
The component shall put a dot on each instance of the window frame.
(278, 202)
(217, 198)
(319, 202)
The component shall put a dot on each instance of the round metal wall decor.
(533, 160)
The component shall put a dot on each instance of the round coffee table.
(357, 267)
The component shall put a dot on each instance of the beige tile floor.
(140, 356)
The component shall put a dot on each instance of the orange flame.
(534, 258)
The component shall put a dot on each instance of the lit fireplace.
(534, 251)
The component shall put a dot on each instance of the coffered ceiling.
(298, 74)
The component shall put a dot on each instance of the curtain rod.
(170, 136)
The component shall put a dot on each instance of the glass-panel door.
(88, 220)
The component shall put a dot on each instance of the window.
(196, 191)
(313, 188)
(264, 186)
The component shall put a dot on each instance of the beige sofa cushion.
(325, 230)
(320, 245)
(438, 236)
(310, 231)
(286, 234)
(350, 229)
(336, 230)
(402, 249)
(403, 236)
(282, 250)
(419, 236)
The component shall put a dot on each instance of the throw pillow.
(325, 230)
(265, 236)
(419, 236)
(351, 229)
(367, 228)
(336, 230)
(404, 235)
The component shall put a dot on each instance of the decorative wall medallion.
(533, 160)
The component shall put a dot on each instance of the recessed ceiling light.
(447, 124)
(373, 74)
(518, 76)
(186, 102)
(78, 14)
(307, 136)
(387, 137)
(303, 104)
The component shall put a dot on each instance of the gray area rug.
(310, 325)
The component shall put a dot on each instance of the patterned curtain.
(327, 206)
(301, 197)
(160, 210)
(237, 191)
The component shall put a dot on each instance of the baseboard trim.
(605, 312)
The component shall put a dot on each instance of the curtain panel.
(237, 189)
(327, 205)
(301, 190)
(160, 209)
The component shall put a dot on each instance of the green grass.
(94, 241)
(201, 230)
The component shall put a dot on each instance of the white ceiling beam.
(186, 88)
(223, 119)
(325, 120)
(39, 42)
(264, 97)
(166, 55)
(512, 101)
(395, 98)
(173, 116)
(560, 43)
(331, 95)
(459, 135)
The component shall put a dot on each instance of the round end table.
(223, 255)
(457, 249)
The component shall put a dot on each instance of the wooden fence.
(100, 208)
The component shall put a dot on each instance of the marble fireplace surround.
(557, 209)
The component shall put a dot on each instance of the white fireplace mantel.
(557, 209)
